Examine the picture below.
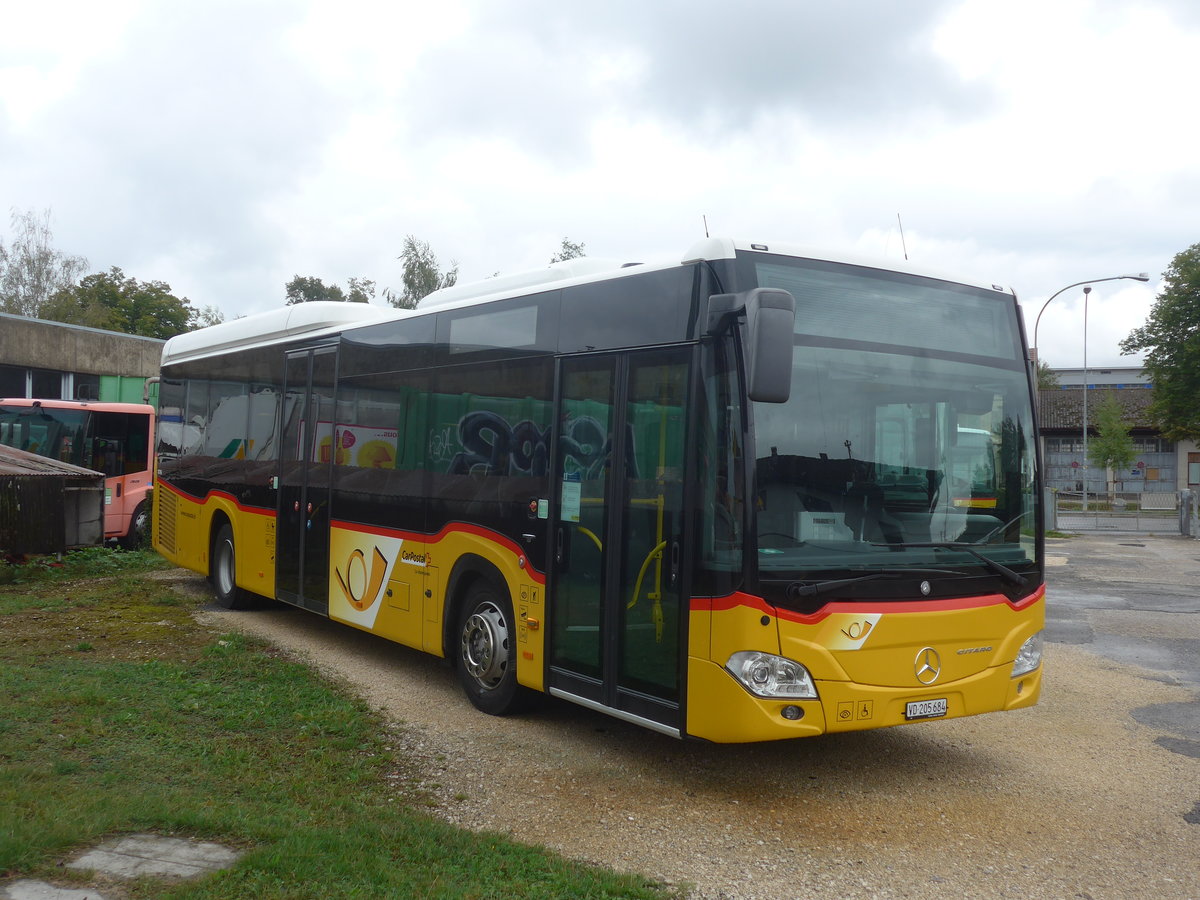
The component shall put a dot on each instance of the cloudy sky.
(225, 146)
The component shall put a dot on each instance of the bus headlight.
(773, 677)
(1029, 657)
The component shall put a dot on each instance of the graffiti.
(586, 447)
(491, 446)
(441, 444)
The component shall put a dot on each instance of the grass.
(118, 714)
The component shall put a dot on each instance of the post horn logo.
(858, 631)
(927, 666)
(360, 587)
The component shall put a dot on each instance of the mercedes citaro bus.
(752, 493)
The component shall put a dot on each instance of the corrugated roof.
(1062, 409)
(21, 462)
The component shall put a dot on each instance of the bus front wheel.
(224, 571)
(486, 652)
(138, 523)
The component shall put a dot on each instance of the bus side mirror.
(770, 321)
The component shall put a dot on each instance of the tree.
(1171, 340)
(1047, 378)
(203, 316)
(569, 250)
(111, 301)
(361, 290)
(306, 288)
(1112, 448)
(31, 270)
(421, 275)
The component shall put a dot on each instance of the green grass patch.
(88, 562)
(118, 713)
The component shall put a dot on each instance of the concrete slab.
(148, 854)
(130, 857)
(39, 890)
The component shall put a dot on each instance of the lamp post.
(1140, 276)
(1087, 290)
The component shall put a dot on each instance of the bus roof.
(324, 317)
(724, 248)
(585, 269)
(275, 325)
(94, 405)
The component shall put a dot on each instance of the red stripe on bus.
(451, 528)
(733, 601)
(224, 495)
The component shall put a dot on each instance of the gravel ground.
(1071, 799)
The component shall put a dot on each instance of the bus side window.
(107, 457)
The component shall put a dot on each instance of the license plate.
(925, 709)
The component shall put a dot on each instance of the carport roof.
(22, 462)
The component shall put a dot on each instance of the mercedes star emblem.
(928, 665)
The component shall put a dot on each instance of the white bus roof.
(724, 248)
(275, 325)
(325, 317)
(586, 269)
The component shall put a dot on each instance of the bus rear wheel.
(486, 653)
(224, 572)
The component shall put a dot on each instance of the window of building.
(87, 387)
(12, 381)
(47, 384)
(1153, 445)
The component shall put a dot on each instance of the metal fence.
(1117, 511)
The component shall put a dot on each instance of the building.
(1160, 466)
(56, 361)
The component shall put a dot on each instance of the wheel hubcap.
(225, 569)
(484, 650)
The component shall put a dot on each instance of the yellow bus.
(722, 496)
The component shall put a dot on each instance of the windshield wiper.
(796, 589)
(987, 538)
(999, 568)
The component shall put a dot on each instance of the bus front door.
(305, 463)
(617, 611)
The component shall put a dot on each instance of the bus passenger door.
(617, 605)
(305, 464)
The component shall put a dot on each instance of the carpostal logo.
(850, 632)
(360, 582)
(360, 565)
(414, 558)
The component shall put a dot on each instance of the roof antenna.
(903, 245)
(705, 218)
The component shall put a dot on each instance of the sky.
(225, 146)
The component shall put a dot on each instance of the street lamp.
(1087, 290)
(1140, 276)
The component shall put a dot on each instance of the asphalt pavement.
(1135, 599)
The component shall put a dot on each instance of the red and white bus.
(113, 438)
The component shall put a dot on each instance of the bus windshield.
(908, 437)
(47, 431)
